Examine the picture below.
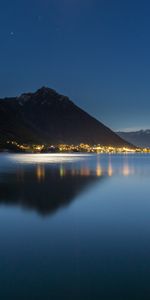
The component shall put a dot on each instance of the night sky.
(95, 51)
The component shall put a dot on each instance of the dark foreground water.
(74, 227)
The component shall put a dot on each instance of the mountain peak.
(45, 90)
(45, 94)
(45, 116)
(42, 91)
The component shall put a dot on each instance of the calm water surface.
(74, 227)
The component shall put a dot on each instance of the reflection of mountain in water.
(44, 190)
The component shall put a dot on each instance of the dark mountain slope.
(48, 117)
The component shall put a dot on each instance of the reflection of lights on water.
(47, 158)
(98, 169)
(79, 165)
(85, 171)
(62, 171)
(40, 172)
(126, 170)
(73, 172)
(110, 169)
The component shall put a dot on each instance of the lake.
(74, 227)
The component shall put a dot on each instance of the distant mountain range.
(139, 138)
(48, 117)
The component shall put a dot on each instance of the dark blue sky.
(95, 51)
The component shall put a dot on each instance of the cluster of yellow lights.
(78, 148)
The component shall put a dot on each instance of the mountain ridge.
(46, 116)
(140, 138)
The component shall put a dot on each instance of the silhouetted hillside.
(48, 117)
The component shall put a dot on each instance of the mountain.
(139, 138)
(48, 117)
